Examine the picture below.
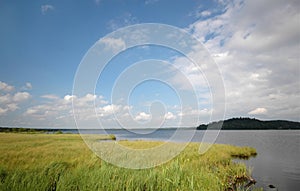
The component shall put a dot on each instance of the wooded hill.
(250, 124)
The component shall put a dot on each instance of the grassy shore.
(64, 162)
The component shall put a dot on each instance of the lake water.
(277, 162)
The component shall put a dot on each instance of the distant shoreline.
(251, 124)
(229, 124)
(59, 131)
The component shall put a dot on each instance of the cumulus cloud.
(142, 116)
(87, 99)
(8, 107)
(21, 96)
(10, 100)
(108, 110)
(5, 87)
(255, 45)
(46, 8)
(12, 107)
(169, 116)
(6, 98)
(58, 111)
(54, 111)
(191, 74)
(258, 111)
(69, 98)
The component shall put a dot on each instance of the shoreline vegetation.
(39, 161)
(250, 124)
(242, 123)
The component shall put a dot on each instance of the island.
(246, 123)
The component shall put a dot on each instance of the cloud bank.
(256, 44)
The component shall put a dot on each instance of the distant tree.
(250, 123)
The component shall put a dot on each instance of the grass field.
(64, 162)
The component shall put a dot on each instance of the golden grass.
(64, 162)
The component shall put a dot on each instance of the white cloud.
(69, 98)
(255, 45)
(50, 96)
(46, 8)
(258, 111)
(86, 100)
(142, 116)
(54, 112)
(21, 96)
(28, 86)
(169, 116)
(17, 97)
(124, 20)
(4, 99)
(58, 111)
(190, 75)
(205, 13)
(5, 87)
(113, 44)
(195, 112)
(3, 111)
(31, 111)
(12, 107)
(10, 101)
(108, 110)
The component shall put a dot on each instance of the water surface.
(277, 162)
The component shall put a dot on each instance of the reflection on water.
(277, 163)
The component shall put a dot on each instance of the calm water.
(277, 162)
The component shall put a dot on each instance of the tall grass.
(64, 162)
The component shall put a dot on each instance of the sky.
(254, 45)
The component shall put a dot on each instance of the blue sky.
(253, 43)
(39, 44)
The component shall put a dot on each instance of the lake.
(277, 162)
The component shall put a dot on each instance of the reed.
(64, 162)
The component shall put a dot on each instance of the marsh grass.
(64, 162)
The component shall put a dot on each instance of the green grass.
(64, 162)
